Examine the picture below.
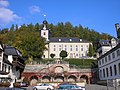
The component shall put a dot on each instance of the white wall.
(112, 62)
(67, 47)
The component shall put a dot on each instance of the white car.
(43, 87)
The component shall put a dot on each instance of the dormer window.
(70, 40)
(59, 39)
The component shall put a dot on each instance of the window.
(81, 49)
(113, 55)
(119, 68)
(59, 39)
(82, 55)
(107, 72)
(70, 47)
(109, 57)
(110, 71)
(0, 65)
(0, 52)
(115, 70)
(59, 47)
(100, 62)
(76, 54)
(76, 48)
(5, 67)
(54, 49)
(103, 72)
(8, 68)
(44, 33)
(65, 49)
(70, 40)
(105, 59)
(118, 52)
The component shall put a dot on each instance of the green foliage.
(27, 38)
(63, 54)
(91, 51)
(52, 55)
(79, 62)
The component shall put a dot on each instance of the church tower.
(45, 31)
(118, 30)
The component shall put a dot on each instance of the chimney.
(117, 30)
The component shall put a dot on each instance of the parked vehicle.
(15, 89)
(43, 87)
(24, 84)
(70, 87)
(66, 83)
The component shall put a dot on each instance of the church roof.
(67, 39)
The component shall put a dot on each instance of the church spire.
(45, 23)
(45, 31)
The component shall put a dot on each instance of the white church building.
(75, 47)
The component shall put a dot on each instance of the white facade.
(109, 64)
(106, 45)
(5, 66)
(75, 47)
(45, 33)
(74, 50)
(8, 72)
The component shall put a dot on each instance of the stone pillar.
(89, 80)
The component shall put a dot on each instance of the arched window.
(115, 70)
(110, 71)
(44, 33)
(103, 72)
(107, 74)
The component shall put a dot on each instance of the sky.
(99, 15)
